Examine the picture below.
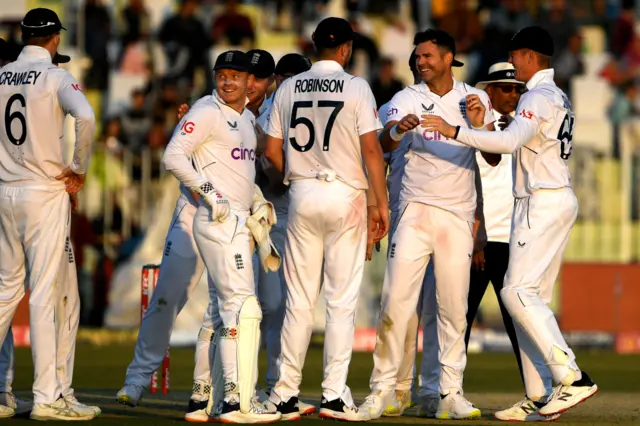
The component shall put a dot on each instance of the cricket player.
(427, 386)
(36, 96)
(540, 138)
(270, 285)
(438, 206)
(216, 159)
(329, 120)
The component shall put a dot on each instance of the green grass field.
(491, 383)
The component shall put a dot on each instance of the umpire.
(491, 265)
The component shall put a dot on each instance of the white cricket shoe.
(6, 412)
(130, 395)
(565, 397)
(230, 413)
(454, 406)
(339, 410)
(378, 402)
(305, 409)
(59, 410)
(403, 401)
(429, 406)
(523, 411)
(8, 399)
(73, 402)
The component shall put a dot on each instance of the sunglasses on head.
(508, 88)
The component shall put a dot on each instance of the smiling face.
(505, 96)
(522, 60)
(257, 88)
(231, 85)
(433, 62)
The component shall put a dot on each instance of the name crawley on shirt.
(19, 78)
(319, 85)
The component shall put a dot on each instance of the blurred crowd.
(173, 60)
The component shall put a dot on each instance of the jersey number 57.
(295, 121)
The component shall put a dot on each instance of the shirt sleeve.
(532, 111)
(191, 132)
(489, 117)
(274, 118)
(73, 101)
(367, 112)
(397, 107)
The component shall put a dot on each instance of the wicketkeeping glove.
(262, 218)
(219, 205)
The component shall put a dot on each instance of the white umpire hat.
(502, 72)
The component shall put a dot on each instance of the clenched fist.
(475, 110)
(408, 122)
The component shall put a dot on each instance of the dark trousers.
(496, 257)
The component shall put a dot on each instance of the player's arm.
(480, 113)
(191, 132)
(274, 136)
(399, 120)
(479, 229)
(73, 102)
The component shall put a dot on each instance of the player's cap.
(232, 60)
(332, 32)
(502, 72)
(413, 66)
(533, 38)
(293, 63)
(262, 63)
(40, 22)
(441, 38)
(61, 59)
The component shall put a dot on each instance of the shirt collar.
(542, 76)
(35, 53)
(326, 66)
(456, 86)
(220, 100)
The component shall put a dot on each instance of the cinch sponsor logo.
(433, 136)
(243, 153)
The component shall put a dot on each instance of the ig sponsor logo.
(187, 127)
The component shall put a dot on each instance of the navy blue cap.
(293, 63)
(533, 38)
(332, 32)
(233, 60)
(40, 22)
(262, 63)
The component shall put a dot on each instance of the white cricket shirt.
(321, 114)
(396, 162)
(497, 183)
(438, 171)
(540, 136)
(35, 97)
(214, 143)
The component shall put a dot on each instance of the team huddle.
(284, 195)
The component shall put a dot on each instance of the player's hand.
(478, 261)
(196, 197)
(408, 122)
(182, 110)
(216, 201)
(73, 197)
(475, 110)
(373, 221)
(73, 182)
(504, 121)
(437, 124)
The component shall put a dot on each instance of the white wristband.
(395, 135)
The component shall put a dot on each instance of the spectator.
(558, 20)
(363, 43)
(624, 29)
(136, 122)
(135, 22)
(385, 85)
(623, 107)
(233, 26)
(569, 64)
(184, 33)
(96, 38)
(168, 102)
(464, 26)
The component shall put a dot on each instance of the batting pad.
(248, 344)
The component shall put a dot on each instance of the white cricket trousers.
(226, 250)
(180, 271)
(271, 289)
(423, 231)
(69, 314)
(34, 223)
(539, 234)
(327, 223)
(426, 309)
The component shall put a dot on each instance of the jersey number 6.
(9, 117)
(565, 136)
(295, 121)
